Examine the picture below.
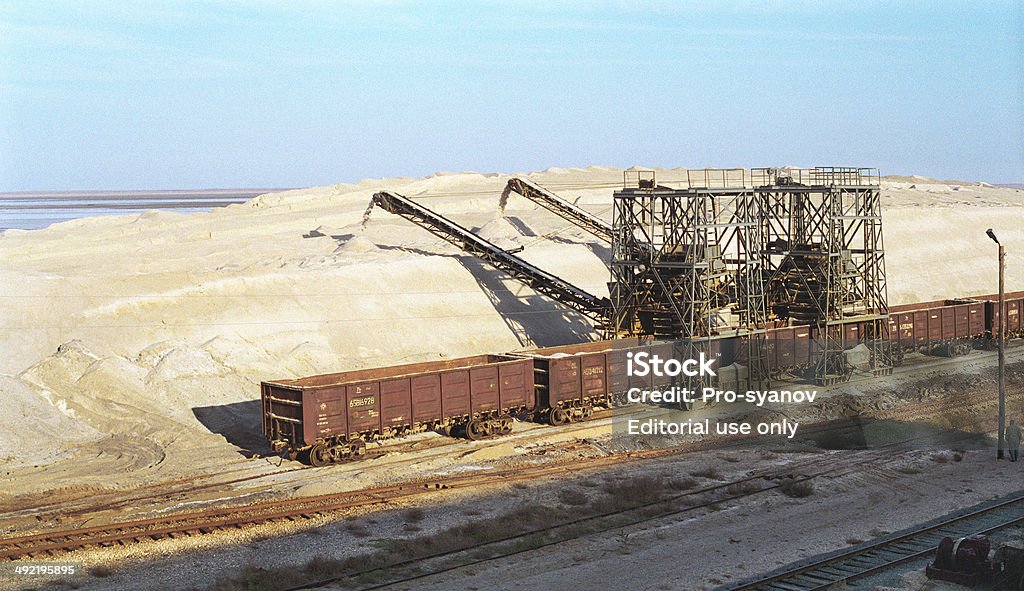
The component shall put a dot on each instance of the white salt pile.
(171, 321)
(501, 233)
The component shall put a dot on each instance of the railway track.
(304, 508)
(606, 522)
(845, 566)
(46, 544)
(296, 509)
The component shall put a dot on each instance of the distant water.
(34, 210)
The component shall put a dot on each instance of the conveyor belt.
(555, 288)
(541, 196)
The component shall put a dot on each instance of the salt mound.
(859, 356)
(234, 352)
(32, 430)
(501, 232)
(180, 363)
(71, 360)
(357, 245)
(152, 354)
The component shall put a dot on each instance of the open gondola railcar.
(949, 327)
(1013, 303)
(329, 418)
(571, 380)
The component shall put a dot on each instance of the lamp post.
(1002, 346)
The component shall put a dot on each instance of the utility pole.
(1002, 346)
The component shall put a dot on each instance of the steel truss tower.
(822, 232)
(688, 264)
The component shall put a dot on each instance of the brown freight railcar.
(571, 380)
(950, 327)
(330, 417)
(789, 349)
(1013, 303)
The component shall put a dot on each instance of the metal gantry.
(687, 264)
(731, 254)
(823, 243)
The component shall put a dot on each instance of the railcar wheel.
(475, 430)
(358, 447)
(558, 417)
(319, 456)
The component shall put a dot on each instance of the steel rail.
(866, 560)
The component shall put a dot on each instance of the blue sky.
(123, 95)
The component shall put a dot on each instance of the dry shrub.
(709, 472)
(681, 483)
(572, 497)
(639, 490)
(358, 530)
(744, 487)
(796, 489)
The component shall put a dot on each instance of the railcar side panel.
(455, 398)
(976, 319)
(483, 389)
(363, 407)
(516, 389)
(564, 383)
(426, 398)
(594, 374)
(396, 403)
(803, 346)
(324, 412)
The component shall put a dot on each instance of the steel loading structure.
(731, 255)
(717, 263)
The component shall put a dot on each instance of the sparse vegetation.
(573, 497)
(744, 487)
(709, 472)
(791, 487)
(682, 483)
(358, 530)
